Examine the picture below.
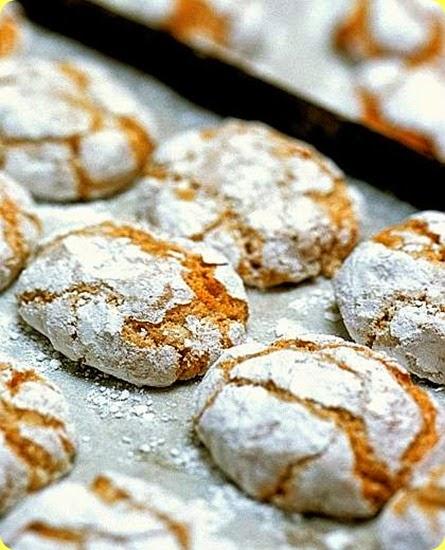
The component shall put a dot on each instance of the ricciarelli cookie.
(67, 132)
(315, 425)
(133, 305)
(405, 103)
(114, 511)
(391, 294)
(415, 518)
(19, 230)
(279, 210)
(411, 30)
(10, 32)
(36, 437)
(231, 24)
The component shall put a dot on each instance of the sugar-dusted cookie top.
(114, 511)
(405, 103)
(414, 519)
(315, 424)
(36, 437)
(391, 293)
(19, 229)
(133, 305)
(412, 30)
(279, 210)
(207, 24)
(68, 132)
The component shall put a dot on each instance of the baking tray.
(265, 90)
(147, 432)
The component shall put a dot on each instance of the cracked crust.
(274, 206)
(412, 30)
(405, 103)
(132, 305)
(20, 230)
(36, 438)
(415, 516)
(315, 425)
(10, 32)
(68, 133)
(113, 511)
(391, 294)
(208, 24)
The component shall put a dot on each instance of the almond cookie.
(19, 230)
(10, 32)
(230, 24)
(405, 103)
(315, 425)
(133, 305)
(114, 511)
(412, 30)
(391, 294)
(415, 518)
(274, 206)
(36, 438)
(67, 132)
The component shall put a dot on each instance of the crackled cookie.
(36, 438)
(391, 294)
(10, 32)
(315, 425)
(133, 305)
(274, 206)
(415, 517)
(19, 230)
(411, 30)
(114, 511)
(68, 132)
(232, 24)
(405, 103)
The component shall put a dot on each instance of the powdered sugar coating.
(36, 438)
(391, 293)
(10, 32)
(315, 424)
(274, 206)
(406, 103)
(132, 305)
(206, 24)
(415, 518)
(68, 132)
(115, 511)
(19, 229)
(412, 30)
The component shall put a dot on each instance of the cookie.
(405, 103)
(410, 30)
(315, 424)
(36, 437)
(133, 305)
(207, 24)
(279, 210)
(415, 518)
(19, 230)
(67, 132)
(10, 32)
(391, 294)
(114, 511)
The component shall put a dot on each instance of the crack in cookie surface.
(372, 471)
